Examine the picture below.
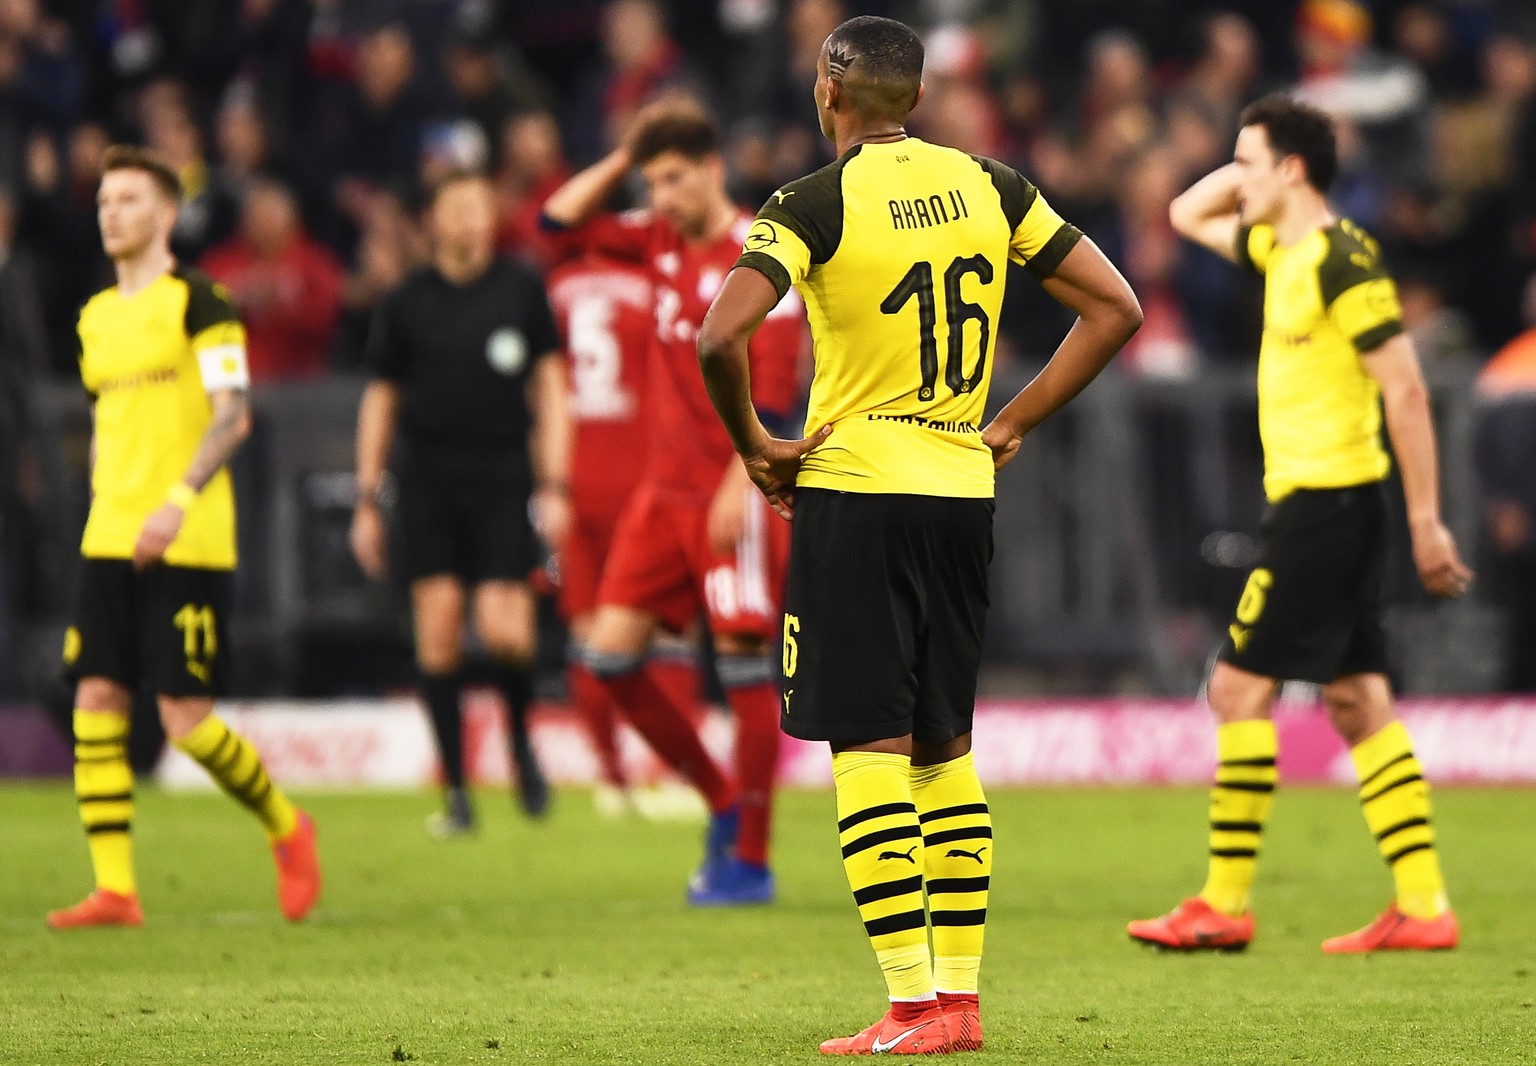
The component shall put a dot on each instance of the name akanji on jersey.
(605, 309)
(900, 251)
(689, 450)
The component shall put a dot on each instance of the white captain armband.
(223, 366)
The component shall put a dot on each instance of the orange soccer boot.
(1195, 925)
(1395, 931)
(100, 908)
(924, 1033)
(298, 869)
(964, 1012)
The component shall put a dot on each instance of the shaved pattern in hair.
(879, 63)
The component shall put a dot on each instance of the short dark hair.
(686, 130)
(1298, 129)
(137, 157)
(880, 61)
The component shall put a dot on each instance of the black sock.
(516, 686)
(441, 693)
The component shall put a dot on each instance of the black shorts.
(1312, 608)
(884, 616)
(465, 518)
(160, 630)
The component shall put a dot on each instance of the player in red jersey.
(605, 311)
(696, 535)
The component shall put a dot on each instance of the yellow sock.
(104, 790)
(1395, 799)
(1240, 801)
(957, 867)
(882, 846)
(234, 764)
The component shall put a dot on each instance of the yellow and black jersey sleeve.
(1254, 243)
(799, 227)
(215, 333)
(1358, 294)
(1040, 237)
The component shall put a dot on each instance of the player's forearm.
(727, 379)
(575, 201)
(552, 432)
(230, 426)
(1083, 354)
(1412, 431)
(1212, 197)
(375, 431)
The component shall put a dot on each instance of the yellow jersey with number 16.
(900, 251)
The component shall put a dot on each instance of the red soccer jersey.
(689, 448)
(604, 308)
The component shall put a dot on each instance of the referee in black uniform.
(464, 358)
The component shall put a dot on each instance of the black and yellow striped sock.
(957, 867)
(1395, 799)
(234, 764)
(883, 856)
(104, 790)
(1240, 801)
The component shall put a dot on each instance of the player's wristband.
(182, 495)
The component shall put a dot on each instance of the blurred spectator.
(532, 166)
(371, 139)
(23, 356)
(1422, 34)
(392, 246)
(58, 227)
(170, 129)
(40, 72)
(1225, 75)
(1441, 334)
(959, 109)
(640, 60)
(245, 152)
(287, 287)
(1149, 253)
(1384, 95)
(1506, 465)
(483, 89)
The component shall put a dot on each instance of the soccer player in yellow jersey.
(162, 355)
(1333, 357)
(900, 250)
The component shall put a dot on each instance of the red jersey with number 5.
(605, 310)
(689, 450)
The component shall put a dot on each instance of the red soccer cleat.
(964, 1013)
(926, 1034)
(298, 869)
(1395, 931)
(1195, 925)
(99, 908)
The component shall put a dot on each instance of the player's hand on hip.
(552, 516)
(159, 530)
(775, 467)
(1439, 565)
(1003, 442)
(368, 540)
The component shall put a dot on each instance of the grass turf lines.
(569, 941)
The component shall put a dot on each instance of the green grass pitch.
(569, 941)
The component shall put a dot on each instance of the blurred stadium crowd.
(305, 129)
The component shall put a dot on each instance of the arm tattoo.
(231, 411)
